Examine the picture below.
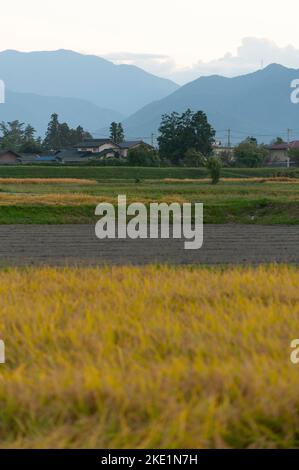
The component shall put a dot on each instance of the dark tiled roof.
(46, 158)
(68, 154)
(29, 158)
(130, 143)
(104, 152)
(293, 145)
(4, 152)
(94, 143)
(282, 146)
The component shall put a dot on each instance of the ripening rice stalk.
(75, 199)
(149, 357)
(46, 181)
(53, 199)
(278, 179)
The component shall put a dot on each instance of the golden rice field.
(149, 357)
(57, 199)
(47, 181)
(276, 179)
(53, 199)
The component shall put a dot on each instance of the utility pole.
(229, 138)
(152, 139)
(288, 149)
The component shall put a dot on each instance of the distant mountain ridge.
(92, 91)
(256, 103)
(37, 109)
(68, 74)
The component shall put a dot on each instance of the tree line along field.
(59, 195)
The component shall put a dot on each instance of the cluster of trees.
(60, 135)
(249, 154)
(117, 132)
(185, 136)
(187, 139)
(17, 136)
(144, 155)
(184, 139)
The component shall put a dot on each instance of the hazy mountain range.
(37, 109)
(255, 104)
(95, 87)
(91, 91)
(123, 88)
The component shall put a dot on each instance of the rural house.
(96, 145)
(223, 152)
(107, 148)
(9, 157)
(278, 153)
(130, 145)
(72, 156)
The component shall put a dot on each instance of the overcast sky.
(173, 38)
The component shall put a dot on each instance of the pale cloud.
(252, 54)
(158, 64)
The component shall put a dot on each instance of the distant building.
(29, 158)
(46, 159)
(107, 148)
(278, 153)
(87, 150)
(218, 150)
(72, 156)
(9, 157)
(130, 145)
(96, 145)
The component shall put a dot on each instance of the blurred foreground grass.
(149, 357)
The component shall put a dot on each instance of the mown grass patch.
(102, 173)
(260, 211)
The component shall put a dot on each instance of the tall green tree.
(214, 166)
(144, 155)
(79, 134)
(12, 135)
(29, 133)
(30, 143)
(193, 158)
(278, 140)
(15, 137)
(65, 135)
(52, 139)
(117, 132)
(181, 132)
(60, 135)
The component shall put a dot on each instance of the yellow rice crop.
(149, 357)
(53, 199)
(46, 181)
(280, 179)
(65, 199)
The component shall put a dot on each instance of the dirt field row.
(22, 245)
